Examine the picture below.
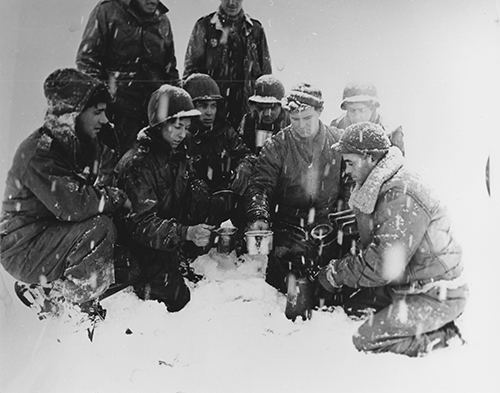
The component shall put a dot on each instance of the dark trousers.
(160, 278)
(76, 257)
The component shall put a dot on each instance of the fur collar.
(365, 198)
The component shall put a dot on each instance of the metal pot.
(225, 238)
(261, 136)
(259, 242)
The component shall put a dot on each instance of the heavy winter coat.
(53, 180)
(164, 192)
(234, 54)
(395, 134)
(295, 181)
(250, 124)
(405, 235)
(216, 153)
(132, 53)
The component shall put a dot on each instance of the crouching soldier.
(407, 257)
(360, 103)
(294, 186)
(57, 235)
(266, 116)
(219, 155)
(168, 203)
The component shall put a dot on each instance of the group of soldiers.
(90, 207)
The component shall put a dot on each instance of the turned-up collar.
(365, 198)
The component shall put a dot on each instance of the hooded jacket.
(132, 53)
(54, 179)
(405, 234)
(166, 197)
(234, 54)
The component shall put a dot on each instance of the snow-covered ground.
(436, 66)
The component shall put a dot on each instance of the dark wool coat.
(234, 54)
(132, 53)
(52, 187)
(216, 153)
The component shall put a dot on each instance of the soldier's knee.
(361, 339)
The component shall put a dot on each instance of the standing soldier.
(128, 44)
(360, 103)
(266, 116)
(408, 257)
(57, 235)
(231, 47)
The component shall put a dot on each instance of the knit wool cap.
(170, 102)
(68, 90)
(303, 96)
(359, 92)
(363, 138)
(268, 90)
(201, 87)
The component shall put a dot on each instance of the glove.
(326, 276)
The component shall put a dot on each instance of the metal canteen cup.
(225, 239)
(261, 136)
(259, 242)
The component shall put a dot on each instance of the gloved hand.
(199, 234)
(326, 276)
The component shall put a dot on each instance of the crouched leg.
(161, 278)
(75, 260)
(413, 324)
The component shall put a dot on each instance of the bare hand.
(127, 205)
(199, 234)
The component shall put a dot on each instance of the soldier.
(407, 257)
(57, 231)
(360, 103)
(169, 205)
(128, 44)
(266, 116)
(232, 48)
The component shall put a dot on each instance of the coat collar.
(162, 9)
(365, 198)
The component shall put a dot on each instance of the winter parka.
(132, 53)
(216, 153)
(295, 181)
(53, 189)
(250, 124)
(166, 197)
(405, 234)
(234, 54)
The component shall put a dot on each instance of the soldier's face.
(268, 113)
(174, 131)
(231, 7)
(305, 122)
(90, 122)
(208, 111)
(358, 166)
(358, 112)
(147, 6)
